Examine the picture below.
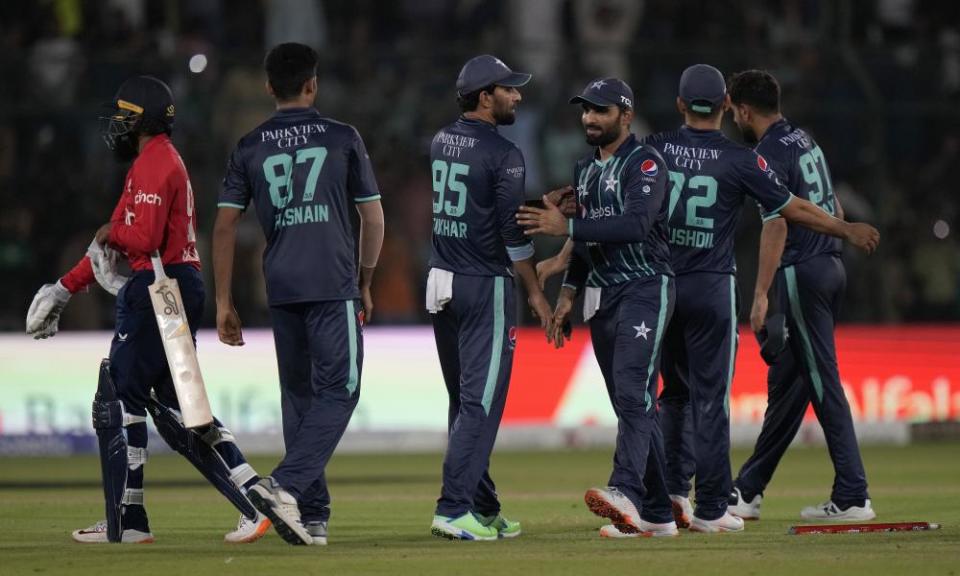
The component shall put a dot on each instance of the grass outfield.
(383, 505)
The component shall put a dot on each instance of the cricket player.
(620, 254)
(155, 213)
(478, 184)
(809, 286)
(303, 173)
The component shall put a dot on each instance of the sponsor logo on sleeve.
(649, 167)
(762, 163)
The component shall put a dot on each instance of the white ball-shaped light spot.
(198, 63)
(941, 229)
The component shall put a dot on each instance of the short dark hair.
(469, 102)
(757, 88)
(288, 66)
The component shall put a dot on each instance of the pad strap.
(242, 474)
(136, 457)
(132, 496)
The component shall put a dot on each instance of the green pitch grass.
(383, 505)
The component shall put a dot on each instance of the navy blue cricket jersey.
(710, 176)
(478, 185)
(303, 173)
(620, 228)
(799, 162)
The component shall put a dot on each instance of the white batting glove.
(43, 318)
(104, 261)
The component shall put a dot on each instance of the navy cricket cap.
(702, 88)
(606, 92)
(486, 70)
(772, 338)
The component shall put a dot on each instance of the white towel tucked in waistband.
(439, 289)
(591, 303)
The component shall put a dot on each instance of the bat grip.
(157, 263)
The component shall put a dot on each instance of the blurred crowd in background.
(877, 83)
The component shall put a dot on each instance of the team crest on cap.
(649, 167)
(762, 163)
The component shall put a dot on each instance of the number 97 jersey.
(800, 164)
(303, 173)
(478, 185)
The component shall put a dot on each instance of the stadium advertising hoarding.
(891, 373)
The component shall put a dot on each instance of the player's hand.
(541, 309)
(228, 326)
(103, 233)
(561, 317)
(366, 300)
(547, 220)
(863, 236)
(104, 261)
(43, 317)
(758, 312)
(565, 200)
(548, 268)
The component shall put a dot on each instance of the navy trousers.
(807, 372)
(320, 357)
(476, 336)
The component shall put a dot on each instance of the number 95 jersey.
(303, 173)
(478, 185)
(800, 164)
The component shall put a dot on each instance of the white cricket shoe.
(743, 509)
(682, 510)
(97, 534)
(281, 508)
(726, 523)
(318, 531)
(248, 530)
(648, 530)
(830, 511)
(612, 504)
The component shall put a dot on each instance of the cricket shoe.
(465, 527)
(726, 523)
(505, 528)
(281, 508)
(831, 512)
(318, 532)
(248, 530)
(682, 510)
(741, 508)
(612, 504)
(97, 534)
(648, 530)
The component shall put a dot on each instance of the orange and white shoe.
(248, 530)
(612, 504)
(648, 530)
(726, 523)
(97, 534)
(682, 510)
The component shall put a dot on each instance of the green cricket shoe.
(505, 527)
(465, 527)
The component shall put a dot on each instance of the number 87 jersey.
(478, 185)
(710, 177)
(303, 174)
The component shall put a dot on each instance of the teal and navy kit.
(710, 178)
(478, 185)
(620, 247)
(809, 288)
(304, 174)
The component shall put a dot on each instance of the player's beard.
(504, 112)
(749, 136)
(606, 136)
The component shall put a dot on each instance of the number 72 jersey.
(303, 174)
(710, 177)
(800, 164)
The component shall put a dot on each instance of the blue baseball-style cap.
(606, 92)
(702, 88)
(487, 70)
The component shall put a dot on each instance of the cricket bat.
(861, 528)
(178, 347)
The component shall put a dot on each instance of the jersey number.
(815, 173)
(445, 178)
(709, 197)
(281, 190)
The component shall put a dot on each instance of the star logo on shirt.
(581, 192)
(642, 330)
(598, 84)
(611, 183)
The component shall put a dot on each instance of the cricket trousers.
(627, 334)
(810, 293)
(320, 357)
(698, 361)
(476, 336)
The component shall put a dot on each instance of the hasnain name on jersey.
(297, 215)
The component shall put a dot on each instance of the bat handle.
(157, 262)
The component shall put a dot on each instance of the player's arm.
(232, 202)
(510, 179)
(805, 213)
(555, 264)
(144, 232)
(772, 240)
(371, 240)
